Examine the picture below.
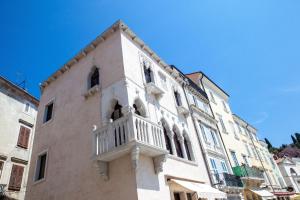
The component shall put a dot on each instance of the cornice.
(119, 25)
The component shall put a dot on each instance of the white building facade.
(17, 121)
(114, 123)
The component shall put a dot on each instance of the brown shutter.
(26, 138)
(23, 137)
(16, 176)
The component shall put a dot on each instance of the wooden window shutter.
(23, 137)
(16, 176)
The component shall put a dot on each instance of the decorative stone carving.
(158, 163)
(102, 168)
(135, 156)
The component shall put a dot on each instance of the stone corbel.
(158, 162)
(135, 156)
(102, 169)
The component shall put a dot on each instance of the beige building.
(17, 123)
(114, 123)
(247, 155)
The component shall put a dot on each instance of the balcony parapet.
(227, 181)
(250, 175)
(131, 134)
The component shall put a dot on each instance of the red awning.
(284, 193)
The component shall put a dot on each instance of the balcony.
(131, 134)
(153, 89)
(225, 180)
(251, 177)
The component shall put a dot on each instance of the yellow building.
(247, 155)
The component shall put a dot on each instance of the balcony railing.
(130, 134)
(225, 179)
(129, 130)
(248, 172)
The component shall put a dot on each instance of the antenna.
(22, 83)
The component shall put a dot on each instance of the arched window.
(94, 79)
(177, 98)
(187, 146)
(148, 73)
(117, 112)
(139, 107)
(178, 146)
(168, 141)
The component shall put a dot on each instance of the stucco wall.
(12, 109)
(67, 137)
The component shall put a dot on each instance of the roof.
(119, 25)
(191, 83)
(20, 91)
(238, 117)
(200, 72)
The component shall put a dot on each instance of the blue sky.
(250, 48)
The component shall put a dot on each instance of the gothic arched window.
(94, 78)
(117, 113)
(178, 146)
(168, 141)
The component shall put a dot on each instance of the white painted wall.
(12, 108)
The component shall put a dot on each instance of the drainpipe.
(211, 110)
(198, 138)
(260, 160)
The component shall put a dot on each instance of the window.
(239, 127)
(177, 98)
(215, 170)
(212, 98)
(245, 160)
(234, 158)
(233, 129)
(167, 140)
(148, 73)
(224, 167)
(48, 112)
(23, 138)
(214, 137)
(187, 146)
(163, 81)
(16, 176)
(222, 124)
(1, 167)
(117, 112)
(254, 153)
(27, 107)
(94, 80)
(41, 167)
(224, 106)
(176, 196)
(178, 146)
(203, 127)
(189, 196)
(248, 150)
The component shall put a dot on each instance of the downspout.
(211, 110)
(260, 160)
(198, 138)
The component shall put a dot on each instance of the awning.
(203, 190)
(263, 193)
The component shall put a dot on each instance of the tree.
(269, 144)
(295, 141)
(297, 137)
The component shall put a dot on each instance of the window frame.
(93, 70)
(35, 180)
(52, 101)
